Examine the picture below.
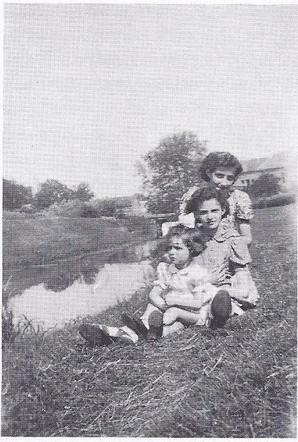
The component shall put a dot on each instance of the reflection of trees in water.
(89, 275)
(55, 278)
(61, 281)
(63, 275)
(122, 255)
(67, 276)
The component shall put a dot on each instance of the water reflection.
(52, 295)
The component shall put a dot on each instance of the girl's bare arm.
(156, 298)
(245, 232)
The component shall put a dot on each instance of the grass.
(40, 240)
(239, 381)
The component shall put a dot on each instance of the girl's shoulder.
(241, 204)
(240, 196)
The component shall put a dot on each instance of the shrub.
(28, 208)
(281, 199)
(71, 209)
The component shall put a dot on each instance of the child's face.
(178, 252)
(222, 178)
(209, 214)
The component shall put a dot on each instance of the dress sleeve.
(162, 276)
(244, 210)
(239, 251)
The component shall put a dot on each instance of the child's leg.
(174, 314)
(243, 288)
(145, 316)
(100, 334)
(174, 328)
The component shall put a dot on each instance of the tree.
(15, 195)
(50, 192)
(105, 207)
(83, 192)
(266, 185)
(170, 170)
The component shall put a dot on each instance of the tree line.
(50, 192)
(167, 172)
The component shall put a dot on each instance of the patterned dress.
(227, 248)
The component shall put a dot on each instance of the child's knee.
(170, 316)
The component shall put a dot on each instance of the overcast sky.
(89, 88)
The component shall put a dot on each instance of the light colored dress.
(227, 248)
(191, 281)
(240, 206)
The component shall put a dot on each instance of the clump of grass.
(8, 331)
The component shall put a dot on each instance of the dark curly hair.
(219, 160)
(191, 238)
(205, 194)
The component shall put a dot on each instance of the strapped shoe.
(221, 308)
(99, 334)
(94, 335)
(155, 321)
(135, 324)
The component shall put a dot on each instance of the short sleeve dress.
(183, 282)
(227, 248)
(240, 207)
(191, 281)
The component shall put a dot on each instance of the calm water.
(53, 295)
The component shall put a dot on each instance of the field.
(40, 240)
(239, 381)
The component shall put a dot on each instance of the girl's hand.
(170, 299)
(162, 305)
(219, 275)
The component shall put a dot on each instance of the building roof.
(276, 161)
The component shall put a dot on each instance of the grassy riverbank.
(236, 382)
(40, 240)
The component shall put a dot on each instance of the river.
(50, 296)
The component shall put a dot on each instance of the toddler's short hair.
(204, 194)
(192, 238)
(219, 160)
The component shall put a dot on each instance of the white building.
(281, 165)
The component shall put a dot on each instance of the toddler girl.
(184, 283)
(221, 169)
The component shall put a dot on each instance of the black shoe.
(135, 324)
(221, 308)
(94, 335)
(155, 326)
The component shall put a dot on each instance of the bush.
(281, 199)
(71, 209)
(28, 208)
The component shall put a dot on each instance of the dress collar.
(224, 232)
(173, 269)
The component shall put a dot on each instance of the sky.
(90, 88)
